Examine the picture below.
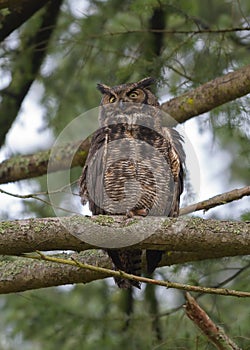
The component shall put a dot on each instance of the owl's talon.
(137, 212)
(142, 212)
(129, 214)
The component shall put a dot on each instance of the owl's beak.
(122, 104)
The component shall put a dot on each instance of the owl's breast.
(135, 171)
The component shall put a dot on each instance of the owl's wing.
(176, 156)
(91, 178)
(176, 159)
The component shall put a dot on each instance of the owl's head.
(131, 103)
(138, 92)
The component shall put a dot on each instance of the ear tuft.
(103, 88)
(146, 82)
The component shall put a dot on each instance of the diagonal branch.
(202, 99)
(74, 262)
(215, 201)
(14, 13)
(210, 95)
(26, 67)
(215, 334)
(205, 205)
(20, 274)
(29, 166)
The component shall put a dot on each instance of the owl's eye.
(133, 94)
(112, 99)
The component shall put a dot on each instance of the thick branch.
(24, 274)
(29, 166)
(20, 274)
(74, 262)
(227, 238)
(210, 95)
(26, 67)
(202, 99)
(187, 239)
(15, 13)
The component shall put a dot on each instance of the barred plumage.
(134, 166)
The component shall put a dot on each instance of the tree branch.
(202, 99)
(205, 205)
(215, 334)
(185, 240)
(29, 166)
(20, 274)
(210, 95)
(74, 262)
(26, 67)
(14, 13)
(215, 201)
(228, 238)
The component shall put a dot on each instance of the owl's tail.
(128, 261)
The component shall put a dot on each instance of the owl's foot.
(136, 212)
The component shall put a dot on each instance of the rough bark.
(210, 95)
(26, 67)
(14, 13)
(197, 101)
(215, 334)
(186, 240)
(228, 238)
(24, 274)
(215, 201)
(29, 166)
(20, 274)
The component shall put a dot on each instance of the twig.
(220, 199)
(174, 31)
(220, 291)
(205, 205)
(215, 334)
(220, 284)
(35, 196)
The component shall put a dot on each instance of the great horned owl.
(134, 166)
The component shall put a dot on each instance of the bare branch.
(37, 197)
(104, 271)
(215, 334)
(14, 13)
(218, 285)
(215, 201)
(23, 274)
(205, 205)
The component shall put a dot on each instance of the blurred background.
(51, 65)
